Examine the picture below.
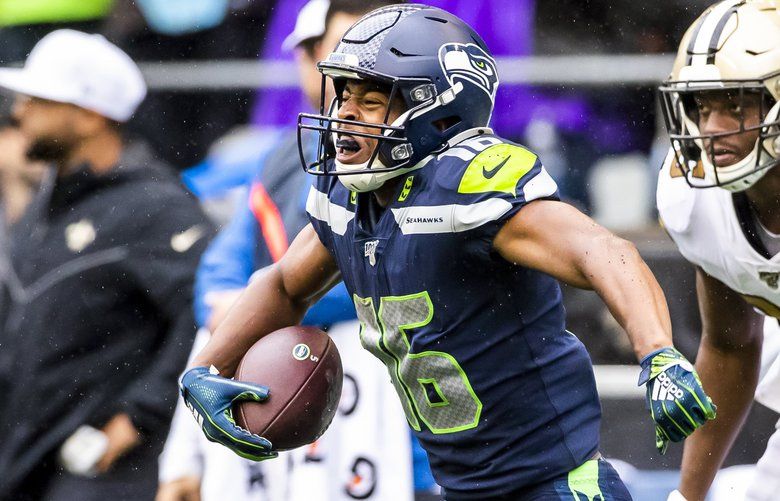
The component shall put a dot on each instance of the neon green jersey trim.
(497, 168)
(584, 481)
(407, 189)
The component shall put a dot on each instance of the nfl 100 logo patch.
(370, 251)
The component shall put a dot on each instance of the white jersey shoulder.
(704, 225)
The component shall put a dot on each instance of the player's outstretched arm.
(728, 362)
(277, 299)
(557, 239)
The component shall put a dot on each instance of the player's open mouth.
(346, 148)
(725, 157)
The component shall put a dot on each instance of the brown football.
(302, 369)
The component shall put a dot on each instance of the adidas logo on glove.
(665, 389)
(195, 413)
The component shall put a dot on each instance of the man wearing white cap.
(99, 320)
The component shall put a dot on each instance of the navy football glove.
(675, 397)
(210, 398)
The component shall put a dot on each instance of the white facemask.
(739, 176)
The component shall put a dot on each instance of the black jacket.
(98, 312)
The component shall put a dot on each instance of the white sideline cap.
(310, 23)
(86, 70)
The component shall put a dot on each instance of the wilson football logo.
(301, 352)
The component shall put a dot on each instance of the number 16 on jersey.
(431, 385)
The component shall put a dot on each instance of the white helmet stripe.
(709, 31)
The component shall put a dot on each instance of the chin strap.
(371, 181)
(765, 162)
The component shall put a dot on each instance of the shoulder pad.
(335, 211)
(497, 168)
(674, 197)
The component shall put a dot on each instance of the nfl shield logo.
(771, 278)
(370, 251)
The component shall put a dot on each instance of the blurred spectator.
(19, 176)
(221, 180)
(272, 106)
(100, 283)
(276, 209)
(357, 457)
(19, 179)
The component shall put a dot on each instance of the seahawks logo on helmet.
(470, 63)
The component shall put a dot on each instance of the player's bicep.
(727, 319)
(307, 270)
(555, 238)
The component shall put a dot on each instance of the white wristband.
(82, 451)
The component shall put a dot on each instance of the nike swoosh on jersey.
(492, 172)
(182, 242)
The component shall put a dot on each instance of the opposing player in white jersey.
(721, 110)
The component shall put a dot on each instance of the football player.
(721, 110)
(450, 240)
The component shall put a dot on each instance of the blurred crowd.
(98, 179)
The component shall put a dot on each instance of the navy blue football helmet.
(439, 66)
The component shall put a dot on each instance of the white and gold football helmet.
(734, 46)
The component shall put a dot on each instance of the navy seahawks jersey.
(498, 392)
